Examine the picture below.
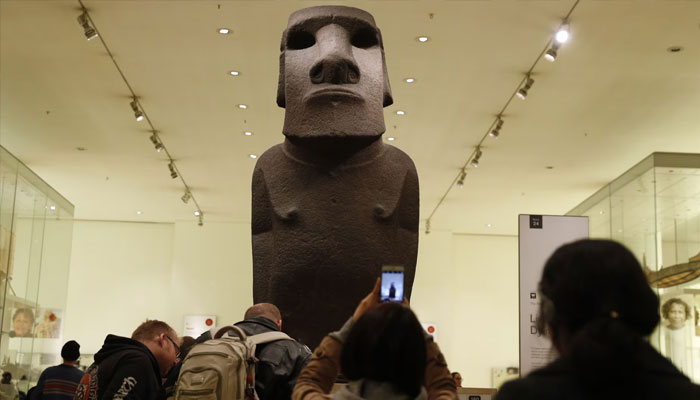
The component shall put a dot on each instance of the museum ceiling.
(615, 94)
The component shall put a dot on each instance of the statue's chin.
(331, 119)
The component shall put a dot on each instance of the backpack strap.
(267, 337)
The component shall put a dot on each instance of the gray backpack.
(222, 368)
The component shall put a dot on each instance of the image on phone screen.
(392, 285)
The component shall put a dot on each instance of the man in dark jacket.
(280, 362)
(131, 368)
(59, 382)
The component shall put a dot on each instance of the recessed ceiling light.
(400, 112)
(489, 225)
(139, 212)
(224, 31)
(252, 156)
(409, 80)
(196, 213)
(242, 106)
(602, 212)
(391, 139)
(619, 230)
(234, 73)
(422, 39)
(248, 133)
(52, 208)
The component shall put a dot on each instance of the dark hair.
(595, 293)
(70, 351)
(387, 344)
(150, 329)
(666, 307)
(267, 310)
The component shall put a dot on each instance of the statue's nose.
(335, 63)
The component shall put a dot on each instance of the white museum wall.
(123, 273)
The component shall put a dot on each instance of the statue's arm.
(261, 229)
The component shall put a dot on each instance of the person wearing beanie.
(60, 382)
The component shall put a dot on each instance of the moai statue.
(333, 203)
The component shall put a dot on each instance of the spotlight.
(477, 156)
(201, 219)
(427, 226)
(90, 32)
(156, 142)
(186, 197)
(497, 129)
(197, 213)
(171, 167)
(462, 176)
(137, 113)
(522, 92)
(551, 54)
(562, 34)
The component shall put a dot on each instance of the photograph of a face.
(392, 285)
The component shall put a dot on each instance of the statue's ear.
(280, 83)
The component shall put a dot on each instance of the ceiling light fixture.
(497, 129)
(53, 208)
(90, 32)
(197, 213)
(139, 212)
(563, 33)
(522, 92)
(173, 172)
(138, 114)
(427, 226)
(551, 54)
(253, 155)
(234, 73)
(462, 177)
(400, 112)
(224, 31)
(391, 139)
(409, 80)
(477, 157)
(201, 219)
(186, 197)
(242, 106)
(156, 142)
(422, 39)
(248, 133)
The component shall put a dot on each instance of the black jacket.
(123, 369)
(653, 378)
(280, 362)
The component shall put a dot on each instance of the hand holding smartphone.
(392, 284)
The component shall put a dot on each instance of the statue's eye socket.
(300, 40)
(364, 38)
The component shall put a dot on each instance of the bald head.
(267, 310)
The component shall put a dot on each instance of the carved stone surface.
(333, 203)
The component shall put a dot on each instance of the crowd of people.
(596, 307)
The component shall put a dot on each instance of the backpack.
(222, 368)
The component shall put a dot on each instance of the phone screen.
(392, 284)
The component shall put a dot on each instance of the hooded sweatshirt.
(123, 369)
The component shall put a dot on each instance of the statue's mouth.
(332, 94)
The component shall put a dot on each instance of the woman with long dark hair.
(598, 309)
(384, 353)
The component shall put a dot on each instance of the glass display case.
(36, 229)
(654, 209)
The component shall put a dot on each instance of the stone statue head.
(333, 80)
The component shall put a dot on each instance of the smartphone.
(392, 283)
